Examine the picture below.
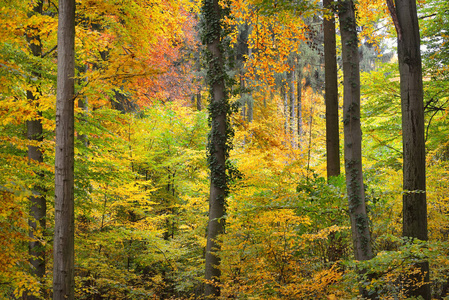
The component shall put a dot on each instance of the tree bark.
(197, 57)
(38, 209)
(353, 136)
(218, 143)
(414, 180)
(63, 247)
(299, 101)
(199, 106)
(331, 94)
(285, 96)
(292, 114)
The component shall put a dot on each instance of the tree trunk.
(292, 100)
(250, 110)
(83, 104)
(243, 99)
(197, 57)
(218, 146)
(299, 99)
(284, 96)
(414, 181)
(353, 136)
(63, 248)
(199, 106)
(38, 209)
(331, 94)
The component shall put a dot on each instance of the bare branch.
(49, 51)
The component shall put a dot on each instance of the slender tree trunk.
(353, 136)
(299, 103)
(242, 94)
(83, 103)
(218, 143)
(250, 111)
(331, 94)
(38, 209)
(309, 147)
(63, 247)
(197, 56)
(199, 106)
(284, 96)
(414, 182)
(292, 114)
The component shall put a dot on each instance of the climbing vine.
(214, 30)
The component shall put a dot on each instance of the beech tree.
(414, 210)
(353, 135)
(142, 180)
(63, 247)
(38, 208)
(331, 93)
(219, 144)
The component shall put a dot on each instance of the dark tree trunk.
(63, 247)
(414, 181)
(353, 135)
(331, 94)
(38, 209)
(199, 106)
(218, 142)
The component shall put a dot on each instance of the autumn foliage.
(141, 173)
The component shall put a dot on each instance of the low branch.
(49, 51)
(428, 16)
(382, 143)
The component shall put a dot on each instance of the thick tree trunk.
(217, 144)
(353, 135)
(63, 247)
(414, 181)
(331, 94)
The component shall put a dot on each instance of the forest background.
(142, 177)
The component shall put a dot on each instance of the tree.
(414, 210)
(218, 145)
(34, 134)
(353, 134)
(331, 93)
(63, 247)
(292, 106)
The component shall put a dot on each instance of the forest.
(224, 149)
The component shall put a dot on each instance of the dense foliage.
(141, 170)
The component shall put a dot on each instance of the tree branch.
(392, 10)
(428, 16)
(49, 51)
